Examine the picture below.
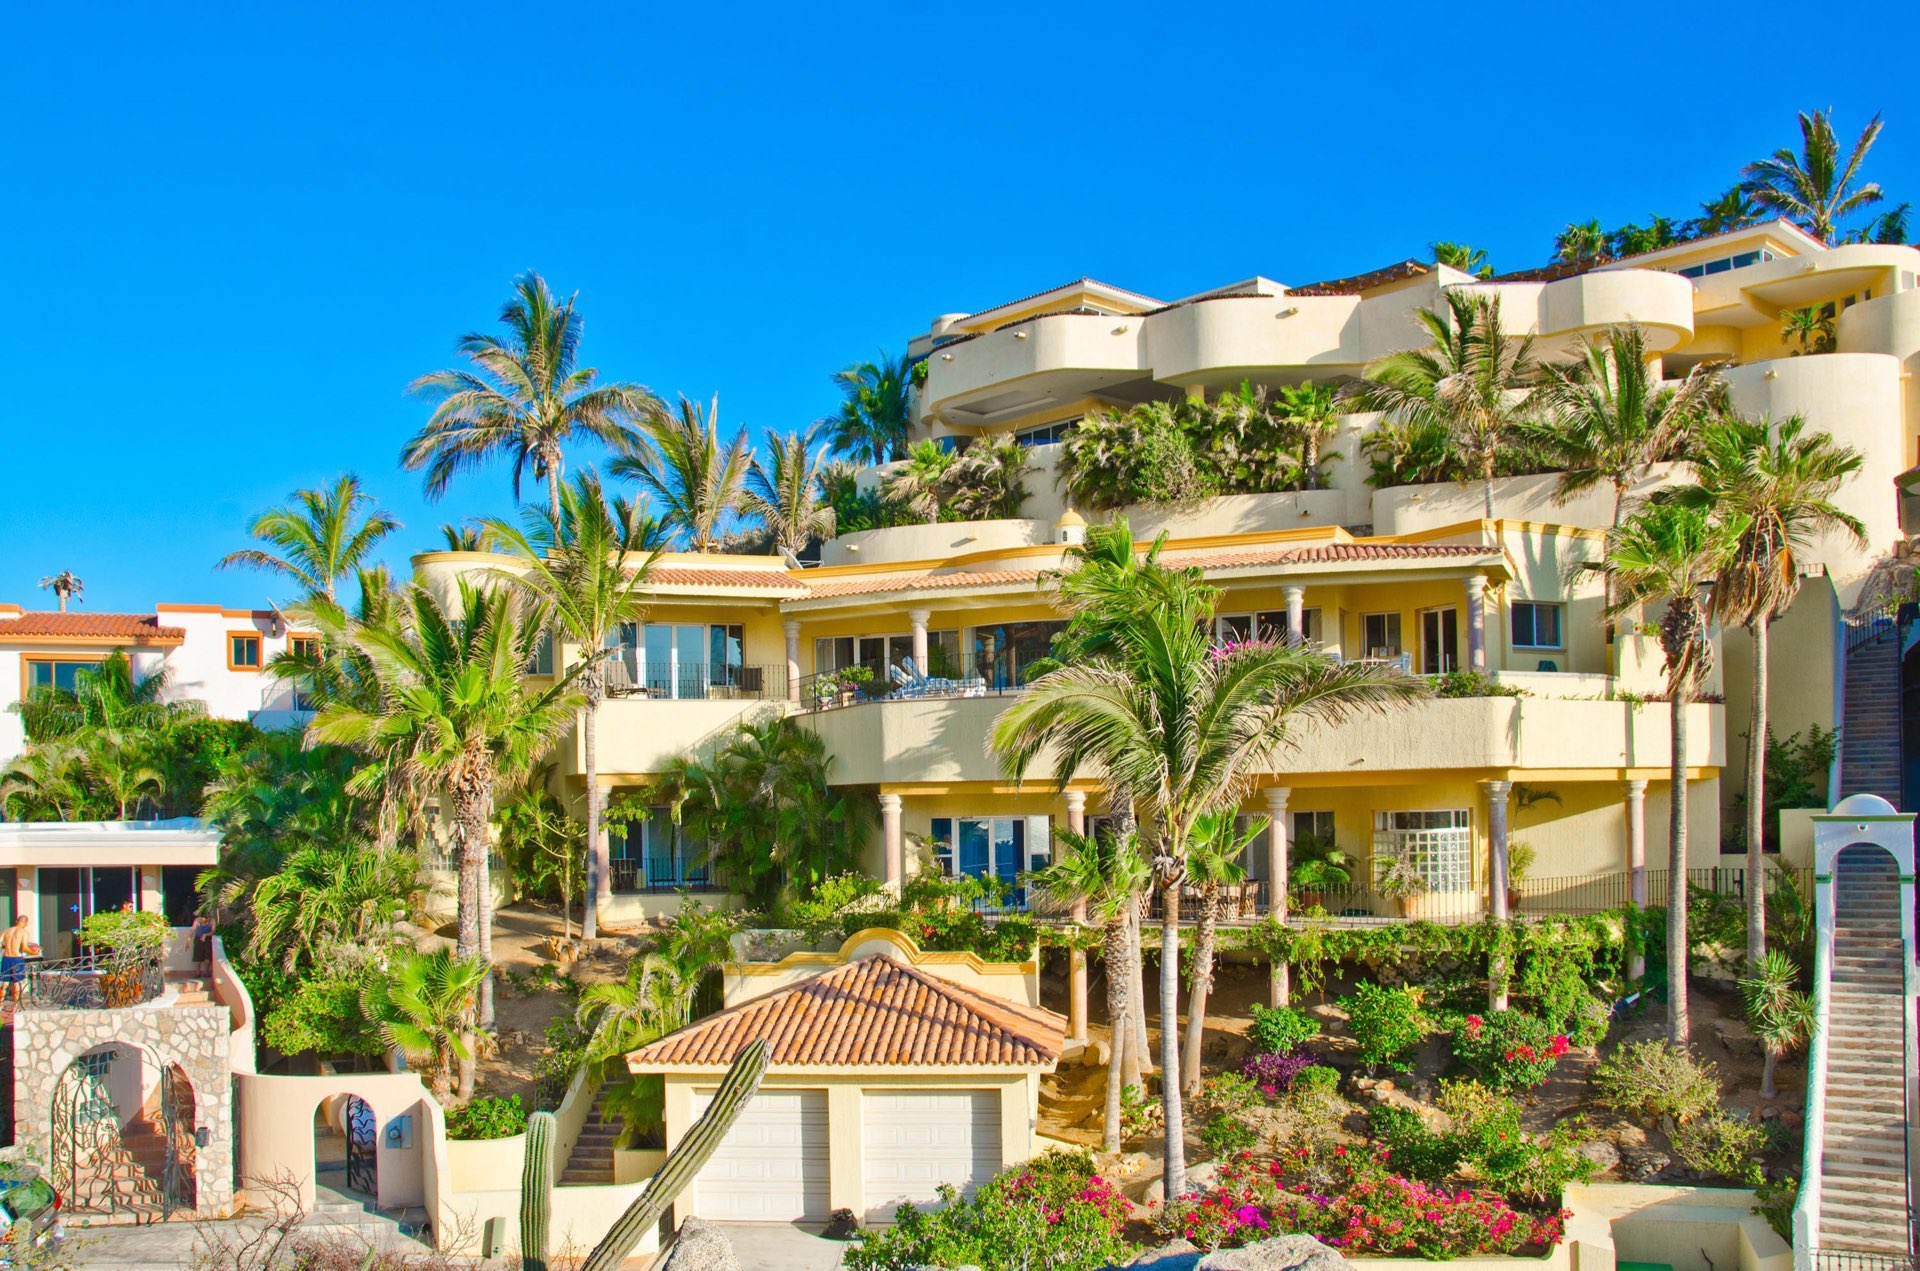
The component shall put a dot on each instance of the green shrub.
(1774, 1200)
(1511, 1050)
(1533, 1168)
(1473, 684)
(1653, 1078)
(1228, 1092)
(488, 1117)
(1226, 1135)
(1722, 1143)
(142, 934)
(1413, 1147)
(1386, 1023)
(1280, 1030)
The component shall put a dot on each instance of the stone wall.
(45, 1042)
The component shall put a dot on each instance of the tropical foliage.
(876, 415)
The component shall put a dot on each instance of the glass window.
(831, 653)
(1438, 846)
(542, 663)
(1313, 827)
(940, 838)
(992, 847)
(1536, 625)
(656, 855)
(61, 675)
(1380, 633)
(307, 646)
(943, 655)
(243, 651)
(1003, 653)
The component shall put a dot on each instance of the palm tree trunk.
(1679, 1030)
(1756, 806)
(598, 889)
(1140, 1054)
(1114, 951)
(470, 824)
(1174, 1173)
(1767, 1089)
(553, 485)
(1486, 483)
(485, 870)
(1134, 1057)
(1203, 936)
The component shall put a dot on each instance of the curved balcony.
(1054, 358)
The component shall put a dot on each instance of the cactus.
(686, 1160)
(536, 1192)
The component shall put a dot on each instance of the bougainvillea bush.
(1273, 1075)
(1511, 1050)
(1053, 1212)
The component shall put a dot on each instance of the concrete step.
(1834, 1166)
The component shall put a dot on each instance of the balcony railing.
(877, 680)
(660, 876)
(697, 681)
(92, 982)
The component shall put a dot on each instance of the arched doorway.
(345, 1144)
(123, 1135)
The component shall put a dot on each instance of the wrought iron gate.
(92, 1167)
(363, 1172)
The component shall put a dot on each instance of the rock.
(1792, 1119)
(1282, 1253)
(1737, 1038)
(842, 1225)
(700, 1246)
(1604, 1155)
(1176, 1256)
(1651, 1165)
(1199, 1178)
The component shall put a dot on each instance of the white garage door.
(916, 1141)
(772, 1166)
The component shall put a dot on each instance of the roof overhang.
(54, 844)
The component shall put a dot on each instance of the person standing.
(15, 949)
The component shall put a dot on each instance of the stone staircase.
(591, 1161)
(339, 1215)
(1863, 1167)
(1870, 725)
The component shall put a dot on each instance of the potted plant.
(1401, 883)
(851, 679)
(1520, 858)
(1318, 867)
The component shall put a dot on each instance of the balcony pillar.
(1497, 968)
(1477, 622)
(894, 840)
(1279, 848)
(1637, 863)
(26, 899)
(152, 894)
(792, 629)
(1077, 956)
(919, 619)
(1296, 611)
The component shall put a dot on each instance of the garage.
(913, 1141)
(773, 1164)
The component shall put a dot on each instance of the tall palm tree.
(1812, 326)
(696, 478)
(1215, 860)
(1730, 211)
(465, 538)
(788, 491)
(524, 396)
(876, 417)
(1472, 260)
(588, 569)
(922, 483)
(1816, 187)
(989, 482)
(1102, 877)
(1311, 413)
(1185, 730)
(423, 1006)
(1581, 243)
(318, 896)
(65, 586)
(124, 766)
(1782, 483)
(320, 538)
(1474, 382)
(1670, 554)
(451, 706)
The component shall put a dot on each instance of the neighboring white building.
(212, 655)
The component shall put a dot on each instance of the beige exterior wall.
(1017, 982)
(277, 1117)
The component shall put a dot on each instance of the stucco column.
(1497, 884)
(1296, 611)
(152, 895)
(1477, 622)
(26, 899)
(895, 842)
(792, 629)
(1077, 956)
(919, 618)
(1279, 849)
(1637, 862)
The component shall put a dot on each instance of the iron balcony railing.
(695, 681)
(877, 679)
(657, 875)
(1861, 1260)
(92, 981)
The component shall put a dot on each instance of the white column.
(26, 899)
(1279, 849)
(1477, 622)
(792, 629)
(895, 842)
(919, 619)
(1497, 884)
(1296, 611)
(1076, 957)
(1637, 861)
(152, 895)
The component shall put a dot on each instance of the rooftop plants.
(698, 478)
(876, 410)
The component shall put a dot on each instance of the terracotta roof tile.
(746, 579)
(1358, 283)
(924, 582)
(141, 627)
(872, 1012)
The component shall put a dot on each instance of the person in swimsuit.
(15, 949)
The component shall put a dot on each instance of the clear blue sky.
(234, 232)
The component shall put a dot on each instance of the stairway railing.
(1806, 1209)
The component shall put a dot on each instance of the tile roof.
(923, 582)
(1362, 282)
(872, 1012)
(90, 626)
(703, 576)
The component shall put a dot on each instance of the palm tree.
(319, 539)
(451, 705)
(1471, 260)
(1474, 382)
(788, 492)
(1184, 730)
(1668, 553)
(1815, 187)
(524, 396)
(1782, 485)
(1215, 860)
(105, 696)
(65, 586)
(1812, 326)
(123, 765)
(1309, 412)
(320, 896)
(1581, 243)
(423, 1006)
(44, 782)
(1781, 1015)
(920, 486)
(989, 481)
(465, 538)
(696, 479)
(1889, 227)
(1102, 878)
(876, 417)
(1733, 210)
(588, 569)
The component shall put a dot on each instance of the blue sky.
(235, 232)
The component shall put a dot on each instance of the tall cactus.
(536, 1191)
(687, 1159)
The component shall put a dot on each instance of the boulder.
(1282, 1253)
(1199, 1178)
(1604, 1155)
(1737, 1038)
(700, 1246)
(1177, 1255)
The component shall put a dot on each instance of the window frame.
(259, 651)
(1392, 619)
(30, 660)
(1559, 621)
